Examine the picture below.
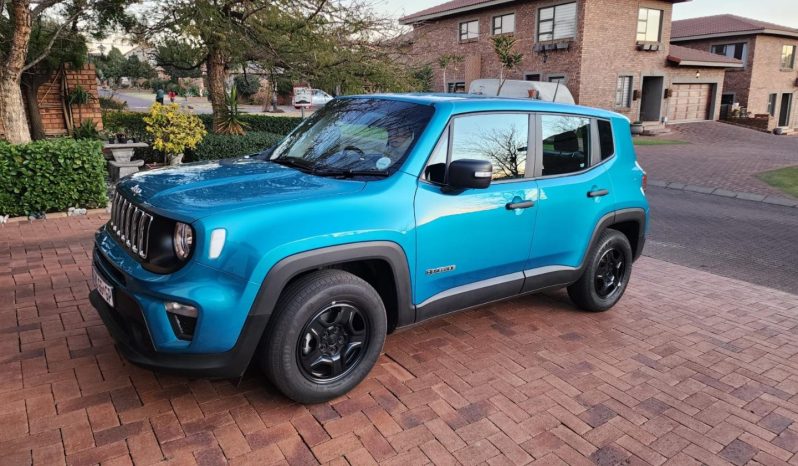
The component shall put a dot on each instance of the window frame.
(453, 86)
(627, 99)
(534, 157)
(553, 21)
(460, 31)
(648, 21)
(791, 66)
(744, 44)
(501, 17)
(773, 103)
(562, 77)
(449, 131)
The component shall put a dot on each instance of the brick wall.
(51, 101)
(762, 75)
(605, 47)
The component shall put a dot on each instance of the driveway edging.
(767, 199)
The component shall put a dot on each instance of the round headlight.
(183, 240)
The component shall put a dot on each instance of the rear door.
(575, 192)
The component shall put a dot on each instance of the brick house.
(621, 61)
(768, 81)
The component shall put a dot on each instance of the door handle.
(520, 205)
(598, 193)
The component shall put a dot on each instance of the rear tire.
(325, 336)
(606, 275)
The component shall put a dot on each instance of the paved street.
(689, 368)
(719, 156)
(747, 240)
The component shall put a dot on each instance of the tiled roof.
(719, 25)
(685, 56)
(452, 6)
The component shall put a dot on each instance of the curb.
(57, 215)
(767, 199)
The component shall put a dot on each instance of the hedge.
(132, 124)
(222, 146)
(51, 175)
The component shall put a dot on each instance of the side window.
(436, 167)
(605, 139)
(566, 144)
(500, 138)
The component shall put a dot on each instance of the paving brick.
(738, 452)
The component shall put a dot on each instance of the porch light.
(698, 74)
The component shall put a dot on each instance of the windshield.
(357, 137)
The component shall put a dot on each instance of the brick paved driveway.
(719, 156)
(689, 368)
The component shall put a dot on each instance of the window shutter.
(565, 21)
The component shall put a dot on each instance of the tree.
(69, 48)
(93, 16)
(134, 68)
(296, 38)
(111, 66)
(446, 60)
(179, 58)
(509, 59)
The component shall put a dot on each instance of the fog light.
(183, 319)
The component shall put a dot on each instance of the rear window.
(605, 139)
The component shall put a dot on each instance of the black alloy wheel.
(332, 342)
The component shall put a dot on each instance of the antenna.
(556, 89)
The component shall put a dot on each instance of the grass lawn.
(652, 141)
(784, 179)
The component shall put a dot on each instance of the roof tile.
(720, 24)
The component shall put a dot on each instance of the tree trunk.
(30, 89)
(216, 89)
(12, 108)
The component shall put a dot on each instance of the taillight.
(644, 182)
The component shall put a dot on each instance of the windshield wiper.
(294, 162)
(348, 173)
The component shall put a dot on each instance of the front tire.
(607, 271)
(327, 333)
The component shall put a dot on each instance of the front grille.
(130, 225)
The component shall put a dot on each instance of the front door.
(786, 108)
(651, 98)
(472, 245)
(575, 193)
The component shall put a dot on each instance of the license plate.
(105, 290)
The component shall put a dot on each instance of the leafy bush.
(110, 103)
(222, 146)
(247, 86)
(52, 174)
(172, 130)
(132, 123)
(86, 130)
(265, 123)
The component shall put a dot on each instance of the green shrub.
(110, 103)
(50, 175)
(247, 86)
(86, 130)
(265, 123)
(223, 146)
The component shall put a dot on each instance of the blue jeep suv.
(376, 213)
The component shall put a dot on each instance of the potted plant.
(173, 131)
(637, 128)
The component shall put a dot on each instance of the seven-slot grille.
(131, 225)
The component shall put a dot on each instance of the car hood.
(196, 190)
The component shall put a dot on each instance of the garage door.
(689, 102)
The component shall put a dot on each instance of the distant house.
(614, 54)
(768, 81)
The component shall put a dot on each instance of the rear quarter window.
(606, 139)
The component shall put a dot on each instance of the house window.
(557, 22)
(457, 87)
(649, 25)
(772, 99)
(532, 77)
(469, 30)
(557, 79)
(623, 92)
(737, 50)
(788, 57)
(504, 24)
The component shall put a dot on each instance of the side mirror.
(469, 174)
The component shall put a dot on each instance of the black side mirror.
(469, 174)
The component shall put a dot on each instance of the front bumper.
(137, 348)
(226, 335)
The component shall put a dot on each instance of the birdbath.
(122, 166)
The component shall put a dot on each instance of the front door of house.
(651, 98)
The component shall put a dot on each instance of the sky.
(784, 12)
